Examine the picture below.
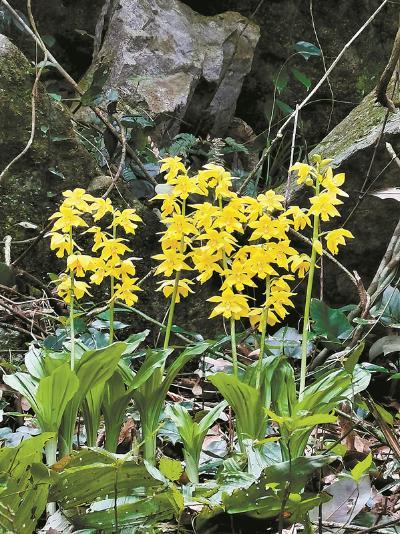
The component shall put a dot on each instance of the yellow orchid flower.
(337, 237)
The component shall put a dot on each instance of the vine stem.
(306, 323)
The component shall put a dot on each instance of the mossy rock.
(31, 189)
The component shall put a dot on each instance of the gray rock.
(166, 59)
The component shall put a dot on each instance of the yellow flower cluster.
(244, 240)
(323, 204)
(109, 262)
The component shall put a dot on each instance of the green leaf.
(352, 357)
(247, 403)
(361, 468)
(171, 469)
(329, 323)
(23, 492)
(281, 80)
(52, 397)
(95, 476)
(232, 146)
(183, 142)
(132, 516)
(302, 78)
(193, 434)
(307, 49)
(94, 367)
(285, 108)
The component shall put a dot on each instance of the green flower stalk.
(310, 282)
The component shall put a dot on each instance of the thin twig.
(308, 97)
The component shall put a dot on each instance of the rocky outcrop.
(181, 67)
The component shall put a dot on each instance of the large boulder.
(184, 68)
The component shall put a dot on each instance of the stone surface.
(31, 189)
(164, 58)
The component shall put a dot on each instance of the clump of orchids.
(108, 258)
(244, 240)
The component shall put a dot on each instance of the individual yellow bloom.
(126, 291)
(301, 264)
(61, 243)
(281, 251)
(112, 248)
(281, 283)
(124, 270)
(67, 218)
(80, 263)
(270, 201)
(126, 219)
(332, 183)
(173, 166)
(170, 204)
(217, 178)
(324, 206)
(218, 241)
(267, 228)
(255, 317)
(238, 276)
(278, 300)
(179, 225)
(260, 262)
(183, 289)
(317, 245)
(100, 207)
(98, 236)
(174, 240)
(65, 287)
(230, 305)
(205, 263)
(303, 172)
(264, 228)
(186, 186)
(100, 271)
(78, 198)
(204, 214)
(337, 237)
(300, 217)
(171, 261)
(230, 219)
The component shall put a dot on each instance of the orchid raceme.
(108, 252)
